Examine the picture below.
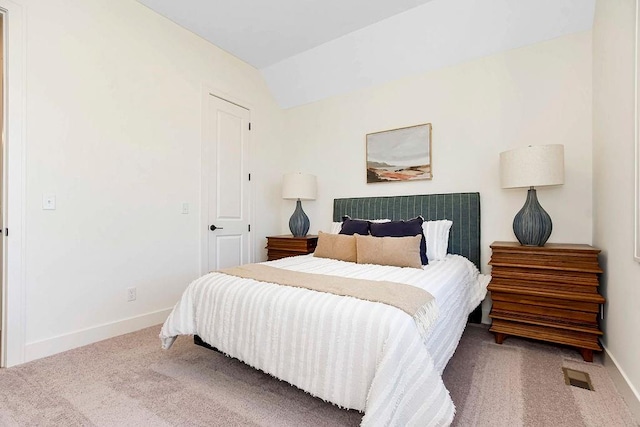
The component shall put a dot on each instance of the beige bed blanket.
(414, 301)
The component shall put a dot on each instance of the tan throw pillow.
(336, 246)
(396, 251)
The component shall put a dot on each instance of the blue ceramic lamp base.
(532, 224)
(299, 221)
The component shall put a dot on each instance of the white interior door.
(2, 191)
(226, 184)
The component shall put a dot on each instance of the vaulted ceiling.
(311, 49)
(265, 32)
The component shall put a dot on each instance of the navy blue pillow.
(354, 226)
(411, 227)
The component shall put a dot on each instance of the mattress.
(356, 354)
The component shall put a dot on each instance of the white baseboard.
(622, 383)
(39, 349)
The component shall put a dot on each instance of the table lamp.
(299, 186)
(532, 166)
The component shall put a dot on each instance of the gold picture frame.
(399, 155)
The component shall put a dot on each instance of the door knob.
(214, 228)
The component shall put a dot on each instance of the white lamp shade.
(299, 186)
(532, 166)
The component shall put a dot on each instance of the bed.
(355, 353)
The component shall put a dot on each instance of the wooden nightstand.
(284, 246)
(548, 293)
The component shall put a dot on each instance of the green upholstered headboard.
(461, 208)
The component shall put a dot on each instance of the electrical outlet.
(131, 294)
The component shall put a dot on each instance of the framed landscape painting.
(400, 154)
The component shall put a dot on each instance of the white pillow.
(436, 234)
(337, 226)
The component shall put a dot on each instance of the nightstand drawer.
(587, 340)
(530, 274)
(580, 262)
(286, 246)
(500, 279)
(273, 254)
(545, 313)
(541, 301)
(297, 245)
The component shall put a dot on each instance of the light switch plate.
(49, 202)
(185, 208)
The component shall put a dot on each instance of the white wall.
(540, 94)
(114, 96)
(613, 177)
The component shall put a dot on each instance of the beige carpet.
(129, 381)
(521, 383)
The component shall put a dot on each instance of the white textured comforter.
(356, 354)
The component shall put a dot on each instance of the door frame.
(14, 187)
(207, 91)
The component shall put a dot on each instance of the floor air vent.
(577, 379)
